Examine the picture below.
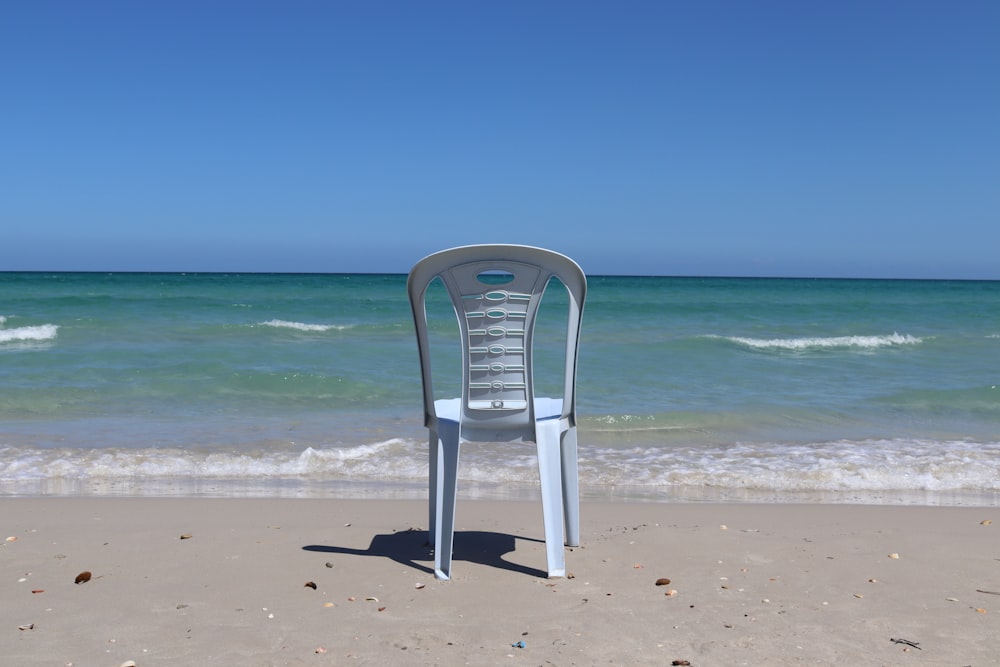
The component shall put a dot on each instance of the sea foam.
(393, 458)
(41, 332)
(303, 326)
(811, 343)
(859, 469)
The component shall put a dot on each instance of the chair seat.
(450, 409)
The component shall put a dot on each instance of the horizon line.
(405, 273)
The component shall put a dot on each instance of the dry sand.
(749, 585)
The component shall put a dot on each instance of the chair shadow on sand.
(409, 547)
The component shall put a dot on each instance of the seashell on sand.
(83, 577)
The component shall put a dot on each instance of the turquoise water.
(688, 389)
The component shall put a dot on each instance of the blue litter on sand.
(518, 645)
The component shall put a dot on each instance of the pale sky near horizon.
(747, 138)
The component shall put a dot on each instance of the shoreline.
(755, 584)
(468, 490)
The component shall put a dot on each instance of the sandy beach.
(325, 582)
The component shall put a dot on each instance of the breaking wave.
(41, 332)
(874, 469)
(827, 342)
(303, 326)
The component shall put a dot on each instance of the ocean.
(689, 389)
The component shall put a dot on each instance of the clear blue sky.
(762, 138)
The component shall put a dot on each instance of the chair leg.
(432, 490)
(571, 488)
(550, 475)
(446, 488)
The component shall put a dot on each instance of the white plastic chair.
(498, 403)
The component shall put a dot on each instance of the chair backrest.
(496, 291)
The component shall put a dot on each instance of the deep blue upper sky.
(786, 138)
